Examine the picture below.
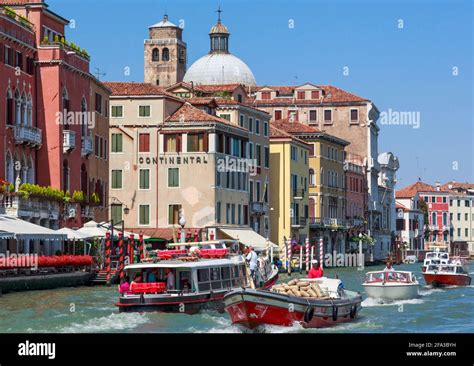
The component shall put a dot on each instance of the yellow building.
(326, 179)
(289, 211)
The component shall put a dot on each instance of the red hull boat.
(447, 279)
(252, 308)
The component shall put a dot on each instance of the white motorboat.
(391, 285)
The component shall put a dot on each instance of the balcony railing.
(69, 140)
(32, 207)
(86, 146)
(327, 222)
(298, 221)
(298, 194)
(28, 135)
(433, 227)
(258, 208)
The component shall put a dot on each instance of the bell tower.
(165, 54)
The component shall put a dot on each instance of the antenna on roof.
(98, 74)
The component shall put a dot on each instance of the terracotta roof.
(185, 85)
(457, 187)
(202, 101)
(399, 206)
(276, 133)
(294, 127)
(412, 190)
(225, 101)
(132, 88)
(219, 88)
(331, 94)
(188, 113)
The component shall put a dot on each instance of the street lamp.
(182, 223)
(361, 257)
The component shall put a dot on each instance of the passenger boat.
(253, 308)
(391, 285)
(203, 272)
(437, 257)
(452, 274)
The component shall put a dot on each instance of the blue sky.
(407, 69)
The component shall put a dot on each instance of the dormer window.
(300, 95)
(315, 94)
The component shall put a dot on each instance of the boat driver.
(316, 270)
(170, 282)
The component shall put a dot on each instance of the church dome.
(220, 68)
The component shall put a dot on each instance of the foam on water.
(113, 322)
(428, 291)
(369, 302)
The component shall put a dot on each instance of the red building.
(437, 228)
(49, 103)
(356, 193)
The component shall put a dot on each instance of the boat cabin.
(390, 276)
(447, 268)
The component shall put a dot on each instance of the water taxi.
(329, 305)
(391, 285)
(451, 274)
(201, 274)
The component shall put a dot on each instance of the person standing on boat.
(388, 266)
(124, 287)
(316, 271)
(252, 259)
(170, 283)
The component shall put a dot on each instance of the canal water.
(92, 310)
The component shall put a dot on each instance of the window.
(116, 179)
(227, 213)
(315, 94)
(445, 200)
(144, 142)
(265, 128)
(117, 146)
(144, 111)
(155, 54)
(467, 203)
(98, 103)
(19, 60)
(173, 177)
(144, 215)
(8, 52)
(165, 54)
(116, 212)
(172, 143)
(144, 179)
(9, 108)
(354, 115)
(257, 127)
(117, 111)
(218, 212)
(239, 214)
(225, 116)
(327, 116)
(173, 214)
(258, 154)
(196, 142)
(294, 153)
(266, 153)
(300, 95)
(242, 120)
(266, 95)
(312, 177)
(250, 124)
(278, 115)
(313, 116)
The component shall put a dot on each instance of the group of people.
(126, 286)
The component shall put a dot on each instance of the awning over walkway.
(248, 237)
(24, 230)
(6, 235)
(92, 229)
(71, 234)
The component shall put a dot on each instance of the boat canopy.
(180, 264)
(248, 237)
(24, 230)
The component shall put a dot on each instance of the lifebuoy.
(309, 314)
(334, 312)
(353, 311)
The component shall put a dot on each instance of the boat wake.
(370, 302)
(110, 323)
(429, 290)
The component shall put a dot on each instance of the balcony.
(258, 208)
(69, 141)
(28, 135)
(32, 207)
(329, 223)
(433, 227)
(298, 194)
(87, 212)
(297, 222)
(86, 146)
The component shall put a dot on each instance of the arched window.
(17, 107)
(165, 54)
(445, 219)
(9, 169)
(65, 176)
(155, 54)
(29, 106)
(312, 177)
(24, 110)
(24, 170)
(84, 180)
(84, 121)
(9, 107)
(312, 208)
(433, 218)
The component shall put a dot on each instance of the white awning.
(25, 230)
(248, 237)
(93, 229)
(72, 234)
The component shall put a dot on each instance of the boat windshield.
(433, 268)
(449, 269)
(431, 255)
(397, 277)
(374, 277)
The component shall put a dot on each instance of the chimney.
(438, 185)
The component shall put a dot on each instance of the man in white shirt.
(169, 279)
(252, 260)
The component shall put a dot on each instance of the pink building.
(356, 192)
